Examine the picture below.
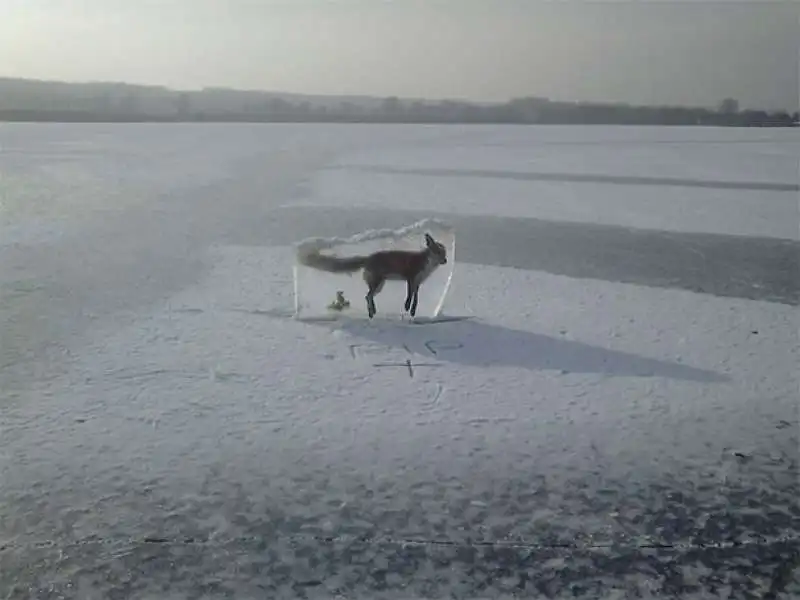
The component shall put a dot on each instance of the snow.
(559, 415)
(576, 360)
(482, 177)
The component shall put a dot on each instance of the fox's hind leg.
(374, 285)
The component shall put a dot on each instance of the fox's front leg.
(414, 303)
(413, 297)
(409, 294)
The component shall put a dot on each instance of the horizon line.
(370, 96)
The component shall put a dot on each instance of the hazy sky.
(641, 51)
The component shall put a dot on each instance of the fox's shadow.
(473, 342)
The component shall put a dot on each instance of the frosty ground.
(613, 411)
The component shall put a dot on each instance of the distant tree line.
(27, 100)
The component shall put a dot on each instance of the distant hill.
(35, 94)
(40, 100)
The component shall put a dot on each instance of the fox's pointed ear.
(428, 239)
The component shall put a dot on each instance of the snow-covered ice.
(176, 433)
(587, 175)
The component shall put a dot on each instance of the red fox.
(409, 266)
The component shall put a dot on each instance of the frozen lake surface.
(613, 412)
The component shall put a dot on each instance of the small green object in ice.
(340, 303)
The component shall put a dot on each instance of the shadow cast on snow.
(472, 342)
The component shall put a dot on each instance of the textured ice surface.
(561, 418)
(547, 173)
(183, 437)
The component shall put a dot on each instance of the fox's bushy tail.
(313, 258)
